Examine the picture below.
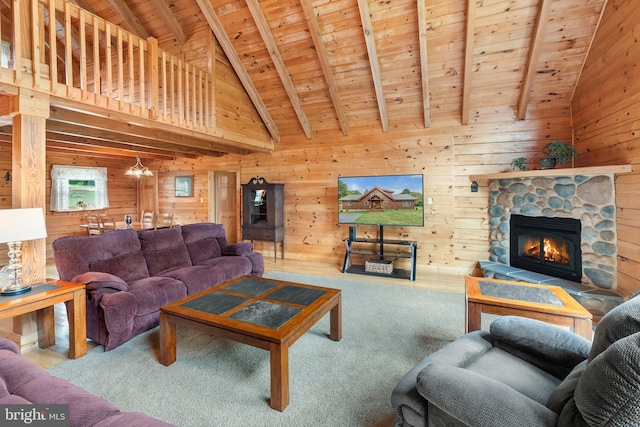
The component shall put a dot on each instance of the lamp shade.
(19, 225)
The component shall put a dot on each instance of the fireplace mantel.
(593, 170)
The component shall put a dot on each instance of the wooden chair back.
(93, 225)
(165, 220)
(107, 224)
(149, 220)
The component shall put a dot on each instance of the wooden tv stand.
(370, 249)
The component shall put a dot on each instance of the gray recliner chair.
(524, 372)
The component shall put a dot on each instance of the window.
(78, 187)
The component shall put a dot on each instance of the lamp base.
(15, 290)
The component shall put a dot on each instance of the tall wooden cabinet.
(263, 212)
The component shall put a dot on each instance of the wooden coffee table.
(504, 297)
(265, 313)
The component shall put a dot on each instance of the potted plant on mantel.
(555, 153)
(519, 163)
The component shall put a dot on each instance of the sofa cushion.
(202, 241)
(233, 266)
(164, 250)
(154, 292)
(566, 389)
(622, 321)
(608, 392)
(74, 255)
(129, 267)
(198, 277)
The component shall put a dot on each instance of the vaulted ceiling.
(352, 65)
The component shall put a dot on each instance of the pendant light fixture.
(138, 169)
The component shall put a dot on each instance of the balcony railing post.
(18, 40)
(152, 102)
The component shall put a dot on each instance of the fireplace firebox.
(546, 245)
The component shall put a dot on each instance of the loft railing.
(76, 55)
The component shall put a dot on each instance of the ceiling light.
(138, 169)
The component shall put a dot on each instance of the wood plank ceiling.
(351, 66)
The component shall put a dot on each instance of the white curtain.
(60, 176)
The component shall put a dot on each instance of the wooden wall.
(606, 110)
(122, 194)
(455, 235)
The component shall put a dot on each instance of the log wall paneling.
(122, 196)
(455, 235)
(606, 113)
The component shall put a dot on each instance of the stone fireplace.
(589, 198)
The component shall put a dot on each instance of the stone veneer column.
(589, 198)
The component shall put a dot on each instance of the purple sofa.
(24, 383)
(131, 274)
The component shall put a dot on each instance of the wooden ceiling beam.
(367, 29)
(216, 26)
(117, 146)
(94, 154)
(171, 21)
(316, 36)
(129, 18)
(222, 140)
(278, 62)
(544, 10)
(94, 149)
(468, 60)
(133, 140)
(89, 146)
(424, 62)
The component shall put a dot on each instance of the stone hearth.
(590, 198)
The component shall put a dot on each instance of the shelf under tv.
(397, 273)
(366, 250)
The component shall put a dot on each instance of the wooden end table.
(264, 313)
(550, 304)
(41, 299)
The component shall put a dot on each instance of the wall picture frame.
(184, 186)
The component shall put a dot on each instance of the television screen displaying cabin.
(381, 200)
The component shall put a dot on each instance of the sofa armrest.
(7, 344)
(554, 344)
(238, 249)
(97, 280)
(478, 400)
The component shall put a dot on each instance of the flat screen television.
(381, 200)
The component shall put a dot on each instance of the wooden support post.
(30, 113)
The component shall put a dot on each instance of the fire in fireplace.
(546, 245)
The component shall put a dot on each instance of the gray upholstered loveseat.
(131, 274)
(528, 373)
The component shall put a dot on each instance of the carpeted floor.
(217, 382)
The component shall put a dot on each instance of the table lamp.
(16, 226)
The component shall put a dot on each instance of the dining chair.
(93, 225)
(165, 220)
(107, 224)
(149, 220)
